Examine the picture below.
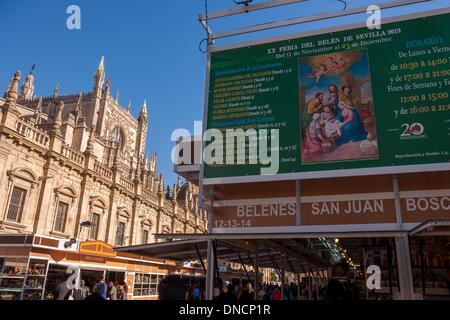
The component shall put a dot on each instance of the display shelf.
(32, 294)
(12, 277)
(11, 289)
(146, 284)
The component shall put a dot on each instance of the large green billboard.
(357, 101)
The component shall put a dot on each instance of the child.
(331, 125)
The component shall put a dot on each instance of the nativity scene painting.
(336, 108)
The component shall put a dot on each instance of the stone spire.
(27, 89)
(142, 129)
(168, 195)
(78, 108)
(108, 88)
(186, 197)
(90, 144)
(161, 185)
(38, 112)
(8, 87)
(179, 183)
(195, 205)
(56, 91)
(57, 119)
(152, 163)
(13, 89)
(129, 106)
(101, 66)
(175, 192)
(144, 112)
(99, 77)
(190, 194)
(117, 96)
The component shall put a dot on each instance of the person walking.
(101, 288)
(261, 293)
(121, 294)
(196, 293)
(112, 292)
(82, 292)
(188, 294)
(247, 294)
(276, 294)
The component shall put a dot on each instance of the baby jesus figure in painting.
(330, 124)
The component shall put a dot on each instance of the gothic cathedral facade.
(74, 166)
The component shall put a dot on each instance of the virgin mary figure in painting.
(352, 129)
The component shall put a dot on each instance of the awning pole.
(243, 266)
(216, 264)
(251, 261)
(201, 259)
(275, 265)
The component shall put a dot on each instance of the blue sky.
(151, 50)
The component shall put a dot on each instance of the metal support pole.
(298, 202)
(200, 258)
(275, 265)
(318, 17)
(422, 266)
(210, 272)
(243, 266)
(282, 284)
(210, 43)
(257, 276)
(405, 272)
(216, 263)
(248, 9)
(251, 260)
(389, 257)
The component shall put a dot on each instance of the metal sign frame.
(392, 229)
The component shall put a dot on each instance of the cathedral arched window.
(118, 136)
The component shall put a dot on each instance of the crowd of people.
(335, 290)
(223, 292)
(226, 292)
(174, 288)
(100, 291)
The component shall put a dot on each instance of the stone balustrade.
(103, 171)
(33, 133)
(147, 194)
(73, 155)
(127, 184)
